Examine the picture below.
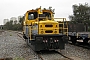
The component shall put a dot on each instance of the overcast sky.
(15, 8)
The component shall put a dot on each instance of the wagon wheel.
(73, 40)
(85, 41)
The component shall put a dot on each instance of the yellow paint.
(41, 23)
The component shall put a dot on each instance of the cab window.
(47, 14)
(32, 15)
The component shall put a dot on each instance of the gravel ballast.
(75, 51)
(12, 46)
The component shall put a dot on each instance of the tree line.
(16, 26)
(81, 14)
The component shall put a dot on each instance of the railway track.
(64, 56)
(39, 56)
(1, 32)
(53, 55)
(81, 44)
(36, 56)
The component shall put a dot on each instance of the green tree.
(81, 13)
(16, 26)
(21, 22)
(9, 25)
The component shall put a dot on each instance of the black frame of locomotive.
(47, 42)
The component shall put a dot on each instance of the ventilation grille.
(48, 25)
(48, 31)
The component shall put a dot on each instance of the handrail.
(63, 19)
(64, 26)
(31, 31)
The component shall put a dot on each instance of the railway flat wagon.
(78, 32)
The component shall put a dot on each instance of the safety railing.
(63, 25)
(31, 28)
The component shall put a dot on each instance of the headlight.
(56, 25)
(55, 31)
(42, 32)
(40, 25)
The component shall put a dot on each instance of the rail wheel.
(73, 40)
(85, 41)
(27, 42)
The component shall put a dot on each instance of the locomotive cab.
(42, 32)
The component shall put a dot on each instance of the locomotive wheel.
(85, 41)
(73, 40)
(24, 36)
(27, 42)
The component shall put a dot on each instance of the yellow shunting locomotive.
(42, 32)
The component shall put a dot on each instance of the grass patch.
(18, 58)
(10, 35)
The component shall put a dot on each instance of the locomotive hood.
(48, 21)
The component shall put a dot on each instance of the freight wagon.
(78, 32)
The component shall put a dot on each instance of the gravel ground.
(13, 46)
(77, 52)
(52, 55)
(74, 52)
